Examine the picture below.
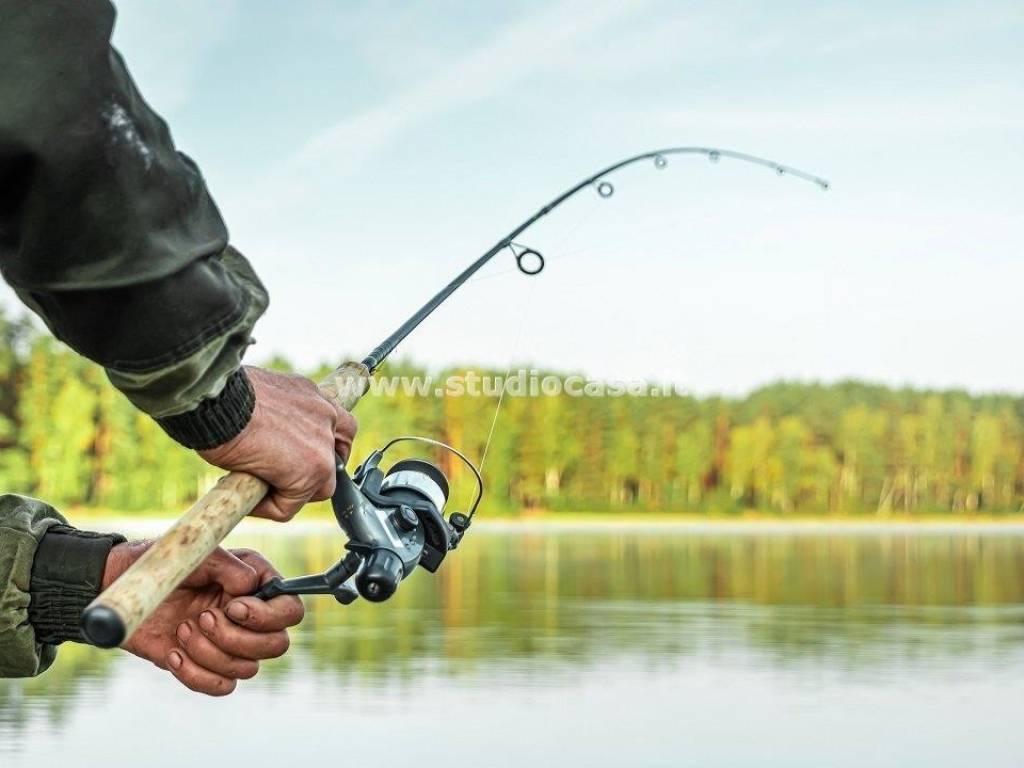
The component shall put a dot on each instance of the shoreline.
(152, 525)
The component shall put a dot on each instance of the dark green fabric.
(67, 575)
(189, 374)
(110, 235)
(106, 230)
(23, 523)
(216, 420)
(181, 385)
(95, 193)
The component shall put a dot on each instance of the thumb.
(223, 568)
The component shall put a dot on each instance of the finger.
(265, 570)
(277, 506)
(241, 641)
(344, 433)
(326, 489)
(196, 678)
(223, 568)
(203, 652)
(266, 615)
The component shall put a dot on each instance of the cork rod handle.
(115, 614)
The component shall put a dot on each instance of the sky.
(363, 152)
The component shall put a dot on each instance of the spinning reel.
(394, 521)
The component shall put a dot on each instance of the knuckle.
(305, 388)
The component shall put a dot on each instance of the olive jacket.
(109, 234)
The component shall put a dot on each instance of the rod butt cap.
(102, 626)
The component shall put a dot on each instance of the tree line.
(849, 448)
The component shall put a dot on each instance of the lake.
(587, 646)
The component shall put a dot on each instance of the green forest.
(788, 449)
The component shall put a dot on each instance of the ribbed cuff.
(215, 420)
(67, 574)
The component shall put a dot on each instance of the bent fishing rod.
(394, 519)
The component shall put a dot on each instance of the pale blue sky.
(363, 152)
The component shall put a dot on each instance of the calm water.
(594, 648)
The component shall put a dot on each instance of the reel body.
(394, 522)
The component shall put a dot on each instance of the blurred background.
(812, 554)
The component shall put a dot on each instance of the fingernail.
(184, 631)
(238, 611)
(174, 659)
(206, 621)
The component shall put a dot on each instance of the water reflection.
(572, 598)
(539, 608)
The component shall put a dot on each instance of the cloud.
(520, 50)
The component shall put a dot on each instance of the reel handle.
(115, 614)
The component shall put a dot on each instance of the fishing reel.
(394, 521)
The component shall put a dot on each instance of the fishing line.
(508, 372)
(583, 219)
(528, 304)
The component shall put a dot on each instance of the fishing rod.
(605, 189)
(394, 518)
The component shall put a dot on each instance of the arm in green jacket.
(109, 233)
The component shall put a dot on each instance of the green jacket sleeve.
(49, 572)
(23, 523)
(109, 233)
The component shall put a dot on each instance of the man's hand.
(207, 633)
(289, 442)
